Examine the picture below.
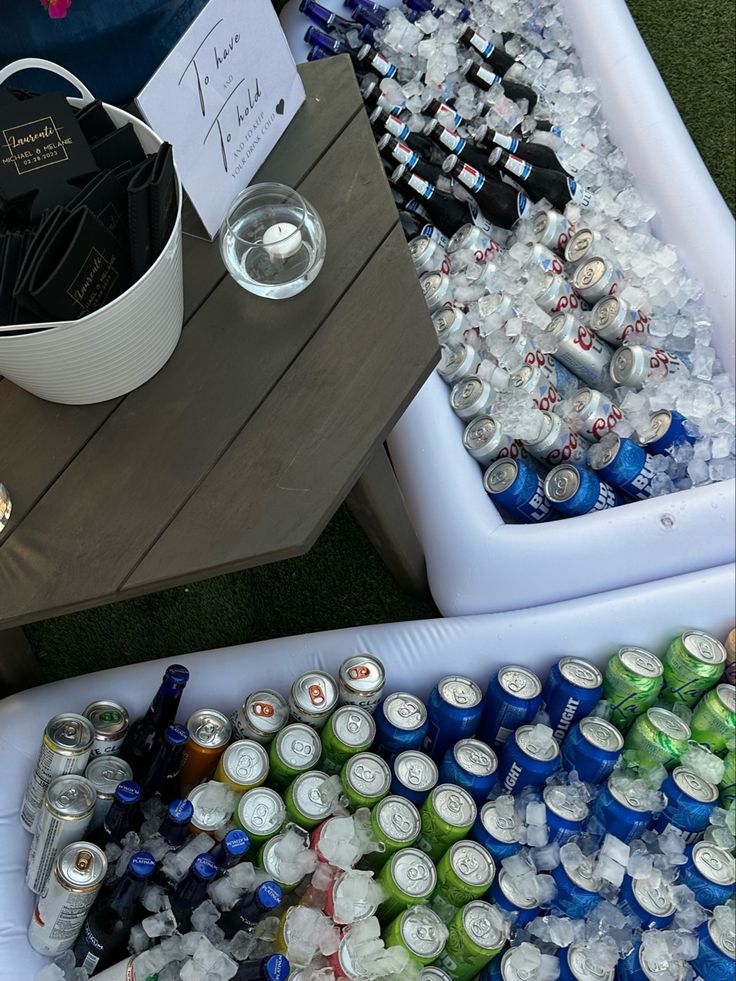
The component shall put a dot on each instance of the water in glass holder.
(272, 241)
(6, 506)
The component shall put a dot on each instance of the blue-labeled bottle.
(326, 19)
(163, 774)
(231, 850)
(142, 736)
(273, 968)
(175, 826)
(251, 909)
(192, 889)
(121, 816)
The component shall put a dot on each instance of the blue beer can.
(514, 486)
(576, 964)
(527, 760)
(592, 747)
(716, 958)
(624, 465)
(500, 834)
(690, 803)
(574, 490)
(577, 889)
(505, 892)
(401, 724)
(471, 765)
(565, 817)
(414, 775)
(572, 690)
(617, 809)
(649, 900)
(513, 698)
(454, 710)
(637, 966)
(710, 872)
(666, 431)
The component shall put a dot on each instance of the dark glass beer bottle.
(539, 182)
(493, 54)
(501, 204)
(231, 850)
(163, 774)
(273, 968)
(447, 213)
(191, 891)
(121, 816)
(251, 909)
(139, 743)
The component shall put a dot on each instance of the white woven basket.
(123, 344)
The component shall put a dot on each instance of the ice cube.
(51, 972)
(609, 870)
(547, 857)
(205, 916)
(241, 945)
(160, 924)
(706, 764)
(154, 898)
(176, 864)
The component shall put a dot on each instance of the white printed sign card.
(223, 98)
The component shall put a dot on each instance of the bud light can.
(577, 963)
(572, 690)
(414, 775)
(667, 429)
(513, 698)
(624, 464)
(641, 965)
(506, 893)
(710, 872)
(515, 487)
(573, 490)
(401, 724)
(498, 828)
(716, 958)
(619, 808)
(566, 815)
(528, 758)
(592, 747)
(577, 888)
(690, 803)
(649, 900)
(454, 710)
(471, 765)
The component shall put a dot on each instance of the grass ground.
(342, 582)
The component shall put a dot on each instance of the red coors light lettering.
(562, 455)
(557, 266)
(605, 423)
(546, 402)
(535, 358)
(570, 300)
(584, 339)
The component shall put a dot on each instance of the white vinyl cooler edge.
(415, 654)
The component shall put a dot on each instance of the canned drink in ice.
(557, 443)
(450, 324)
(580, 350)
(261, 813)
(693, 663)
(730, 646)
(572, 690)
(552, 230)
(472, 765)
(270, 860)
(68, 804)
(408, 878)
(447, 815)
(530, 379)
(690, 803)
(477, 932)
(578, 964)
(649, 900)
(453, 711)
(621, 809)
(640, 965)
(110, 721)
(727, 786)
(309, 800)
(657, 736)
(566, 816)
(574, 490)
(509, 896)
(313, 698)
(713, 723)
(437, 289)
(77, 875)
(209, 734)
(336, 893)
(428, 256)
(471, 397)
(514, 486)
(557, 295)
(667, 430)
(65, 748)
(459, 361)
(395, 822)
(366, 779)
(296, 749)
(499, 833)
(211, 820)
(583, 245)
(486, 441)
(593, 414)
(243, 765)
(613, 320)
(465, 872)
(105, 773)
(471, 237)
(260, 717)
(553, 369)
(361, 680)
(547, 261)
(526, 760)
(624, 464)
(710, 872)
(349, 730)
(595, 278)
(577, 888)
(513, 697)
(401, 723)
(632, 682)
(592, 747)
(632, 365)
(716, 958)
(419, 931)
(414, 775)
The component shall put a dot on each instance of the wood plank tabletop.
(240, 449)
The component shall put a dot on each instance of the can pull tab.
(358, 672)
(316, 695)
(83, 861)
(263, 709)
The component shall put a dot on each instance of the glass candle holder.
(6, 506)
(273, 241)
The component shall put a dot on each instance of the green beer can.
(295, 750)
(420, 932)
(657, 736)
(632, 680)
(366, 779)
(309, 799)
(348, 731)
(434, 973)
(395, 822)
(714, 719)
(464, 872)
(477, 933)
(693, 663)
(408, 879)
(447, 816)
(261, 814)
(727, 786)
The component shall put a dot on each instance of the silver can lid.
(725, 940)
(654, 895)
(469, 393)
(568, 808)
(70, 733)
(583, 398)
(526, 741)
(475, 757)
(71, 796)
(605, 312)
(692, 784)
(500, 476)
(422, 931)
(726, 695)
(433, 284)
(363, 674)
(472, 863)
(589, 273)
(299, 746)
(626, 363)
(459, 691)
(414, 872)
(419, 245)
(433, 973)
(541, 220)
(272, 864)
(209, 728)
(483, 925)
(562, 483)
(627, 797)
(607, 451)
(579, 244)
(311, 796)
(444, 320)
(480, 432)
(368, 774)
(659, 422)
(583, 875)
(524, 375)
(640, 661)
(454, 358)
(261, 811)
(361, 907)
(266, 710)
(702, 646)
(106, 772)
(81, 866)
(581, 673)
(315, 693)
(560, 323)
(601, 734)
(109, 719)
(509, 886)
(466, 234)
(715, 864)
(504, 829)
(405, 711)
(416, 770)
(519, 682)
(353, 726)
(245, 762)
(582, 967)
(398, 818)
(668, 723)
(206, 817)
(454, 805)
(653, 967)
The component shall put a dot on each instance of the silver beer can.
(457, 362)
(470, 237)
(552, 230)
(105, 773)
(428, 256)
(67, 809)
(592, 414)
(361, 680)
(631, 366)
(261, 716)
(597, 277)
(580, 350)
(532, 380)
(557, 295)
(313, 698)
(558, 442)
(471, 397)
(261, 813)
(584, 244)
(450, 323)
(613, 320)
(437, 290)
(110, 721)
(486, 441)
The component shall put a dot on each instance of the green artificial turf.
(342, 582)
